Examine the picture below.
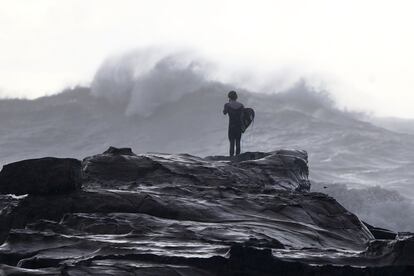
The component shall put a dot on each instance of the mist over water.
(154, 100)
(145, 80)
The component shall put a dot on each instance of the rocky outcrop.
(42, 176)
(177, 214)
(279, 170)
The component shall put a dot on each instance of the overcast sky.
(362, 51)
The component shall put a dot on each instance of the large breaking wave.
(147, 79)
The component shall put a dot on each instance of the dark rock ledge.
(119, 213)
(42, 176)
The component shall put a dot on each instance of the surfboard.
(247, 118)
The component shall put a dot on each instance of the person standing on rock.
(235, 111)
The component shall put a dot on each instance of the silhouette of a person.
(235, 111)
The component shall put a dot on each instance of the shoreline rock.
(169, 214)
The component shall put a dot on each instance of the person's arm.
(225, 110)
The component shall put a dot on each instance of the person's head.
(232, 95)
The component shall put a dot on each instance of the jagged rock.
(244, 260)
(117, 164)
(16, 271)
(397, 252)
(177, 214)
(119, 151)
(285, 169)
(241, 157)
(42, 176)
(7, 205)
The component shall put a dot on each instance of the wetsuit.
(234, 109)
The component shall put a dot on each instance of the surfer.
(235, 111)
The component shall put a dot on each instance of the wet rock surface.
(163, 214)
(258, 171)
